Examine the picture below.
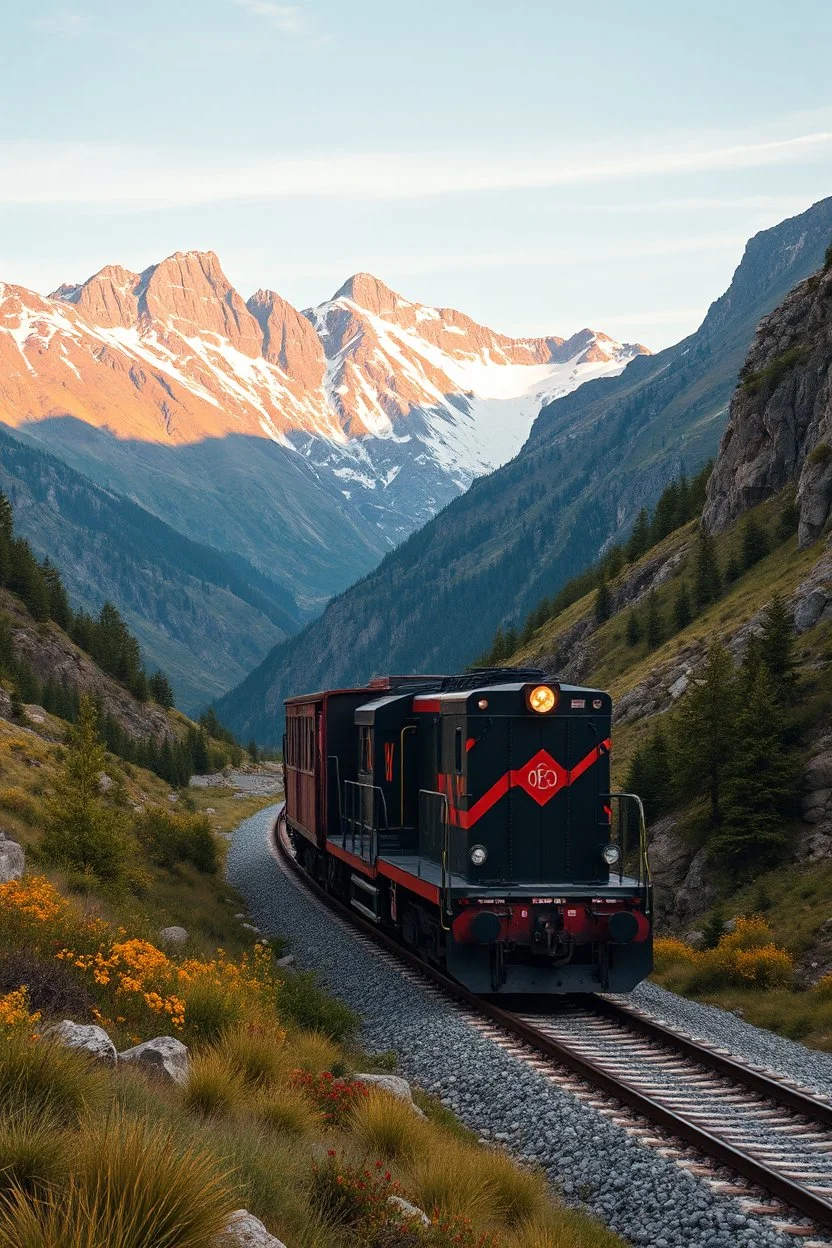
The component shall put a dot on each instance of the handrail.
(446, 909)
(351, 788)
(644, 875)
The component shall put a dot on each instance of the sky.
(541, 165)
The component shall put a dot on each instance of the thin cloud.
(63, 24)
(287, 18)
(109, 173)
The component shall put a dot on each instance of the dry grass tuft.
(213, 1086)
(254, 1054)
(311, 1051)
(34, 1153)
(386, 1126)
(286, 1111)
(447, 1181)
(50, 1079)
(517, 1194)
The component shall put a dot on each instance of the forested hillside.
(593, 460)
(206, 617)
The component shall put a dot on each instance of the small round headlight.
(478, 855)
(611, 854)
(541, 699)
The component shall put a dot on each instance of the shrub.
(823, 987)
(170, 837)
(288, 1111)
(34, 1153)
(819, 454)
(147, 1189)
(53, 989)
(211, 1008)
(50, 1079)
(256, 1055)
(744, 958)
(303, 1002)
(386, 1126)
(346, 1195)
(212, 1086)
(667, 951)
(335, 1098)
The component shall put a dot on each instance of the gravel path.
(642, 1195)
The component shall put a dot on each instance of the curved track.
(751, 1122)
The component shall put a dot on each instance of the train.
(472, 816)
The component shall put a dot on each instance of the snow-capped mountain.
(368, 412)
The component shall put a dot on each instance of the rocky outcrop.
(164, 1056)
(780, 422)
(12, 860)
(87, 1037)
(173, 936)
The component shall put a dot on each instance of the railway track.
(719, 1118)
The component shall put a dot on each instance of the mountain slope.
(593, 458)
(199, 615)
(309, 443)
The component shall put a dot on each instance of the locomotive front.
(545, 882)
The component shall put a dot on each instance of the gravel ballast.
(642, 1195)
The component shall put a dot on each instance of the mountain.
(307, 443)
(202, 616)
(592, 460)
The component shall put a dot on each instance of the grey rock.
(173, 797)
(407, 1210)
(12, 860)
(165, 1056)
(816, 799)
(105, 782)
(174, 936)
(249, 927)
(808, 610)
(85, 1036)
(818, 773)
(698, 889)
(814, 495)
(246, 1231)
(695, 939)
(678, 687)
(286, 961)
(210, 810)
(394, 1085)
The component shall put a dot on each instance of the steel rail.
(792, 1193)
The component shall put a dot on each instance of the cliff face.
(780, 423)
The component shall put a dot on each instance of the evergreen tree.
(733, 571)
(666, 515)
(17, 709)
(160, 690)
(498, 649)
(510, 645)
(714, 928)
(603, 604)
(58, 602)
(6, 517)
(650, 775)
(639, 542)
(82, 832)
(778, 645)
(633, 634)
(789, 519)
(654, 627)
(682, 613)
(705, 735)
(6, 645)
(698, 488)
(761, 781)
(707, 579)
(684, 505)
(253, 752)
(26, 579)
(754, 543)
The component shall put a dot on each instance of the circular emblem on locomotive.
(541, 777)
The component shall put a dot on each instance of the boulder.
(818, 773)
(246, 1231)
(814, 494)
(174, 936)
(173, 797)
(698, 889)
(393, 1085)
(808, 610)
(407, 1211)
(249, 927)
(678, 687)
(695, 939)
(12, 860)
(287, 961)
(105, 782)
(85, 1036)
(165, 1056)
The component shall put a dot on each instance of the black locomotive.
(473, 815)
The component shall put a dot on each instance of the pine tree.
(684, 506)
(682, 613)
(603, 604)
(754, 543)
(6, 517)
(778, 645)
(253, 752)
(733, 571)
(639, 542)
(761, 781)
(511, 644)
(654, 629)
(17, 709)
(650, 775)
(160, 690)
(58, 602)
(707, 579)
(705, 735)
(633, 633)
(82, 832)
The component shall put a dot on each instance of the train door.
(539, 843)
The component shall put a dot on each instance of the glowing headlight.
(610, 854)
(478, 855)
(542, 699)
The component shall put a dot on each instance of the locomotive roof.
(385, 689)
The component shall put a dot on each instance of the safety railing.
(628, 832)
(434, 843)
(363, 817)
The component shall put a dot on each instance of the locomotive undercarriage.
(552, 963)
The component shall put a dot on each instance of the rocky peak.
(780, 420)
(370, 293)
(289, 339)
(189, 294)
(108, 298)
